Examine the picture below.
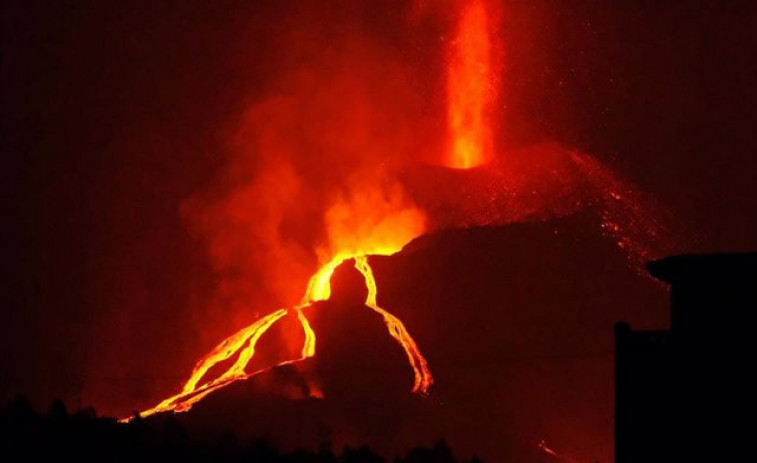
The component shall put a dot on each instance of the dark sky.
(113, 114)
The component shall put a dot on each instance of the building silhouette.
(687, 393)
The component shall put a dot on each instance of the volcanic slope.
(516, 323)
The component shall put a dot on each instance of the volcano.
(520, 315)
(179, 171)
(278, 218)
(342, 162)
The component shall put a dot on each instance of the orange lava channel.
(423, 378)
(469, 89)
(242, 344)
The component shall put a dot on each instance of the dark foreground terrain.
(58, 435)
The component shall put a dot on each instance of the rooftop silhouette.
(681, 394)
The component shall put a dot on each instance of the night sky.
(118, 118)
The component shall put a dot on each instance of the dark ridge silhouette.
(26, 435)
(682, 394)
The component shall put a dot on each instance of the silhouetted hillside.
(27, 435)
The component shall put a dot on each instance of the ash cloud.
(335, 125)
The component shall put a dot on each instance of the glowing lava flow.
(470, 92)
(320, 289)
(423, 378)
(244, 341)
(191, 393)
(557, 456)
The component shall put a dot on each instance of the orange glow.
(470, 92)
(370, 221)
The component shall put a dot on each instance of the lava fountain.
(471, 89)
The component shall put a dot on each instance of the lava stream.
(244, 341)
(423, 378)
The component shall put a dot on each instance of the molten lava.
(470, 89)
(242, 344)
(555, 455)
(423, 378)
